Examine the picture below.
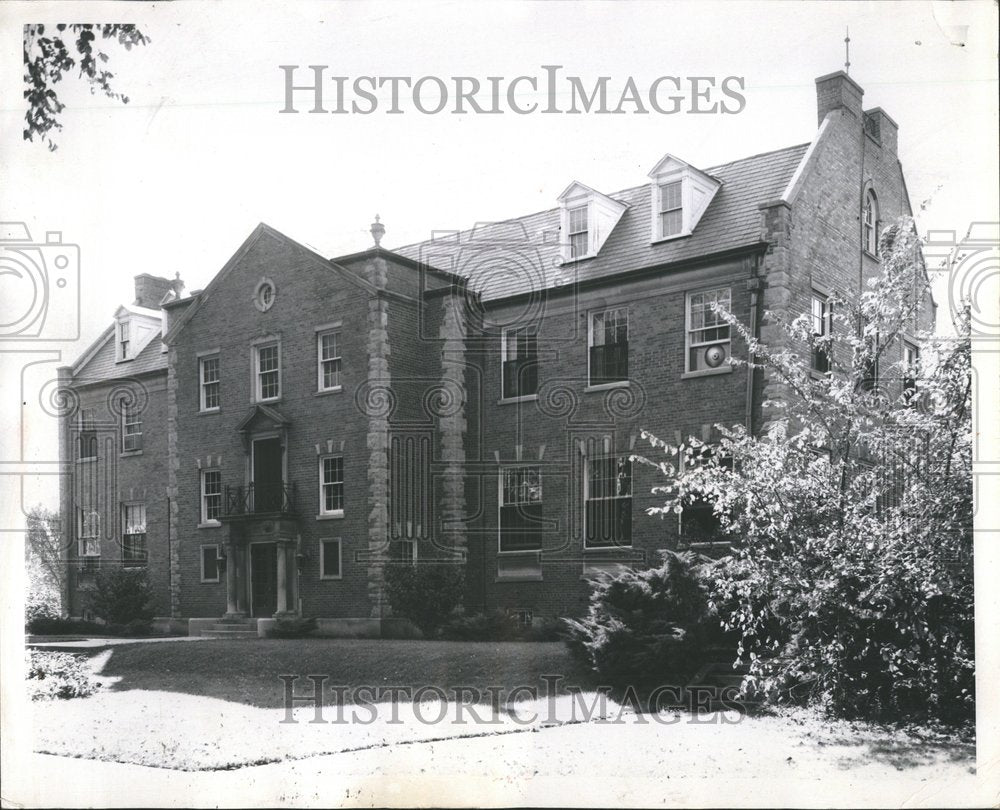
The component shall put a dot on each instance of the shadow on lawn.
(905, 752)
(248, 671)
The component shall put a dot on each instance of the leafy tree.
(851, 580)
(44, 563)
(123, 596)
(49, 54)
(426, 594)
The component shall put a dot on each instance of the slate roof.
(102, 365)
(521, 255)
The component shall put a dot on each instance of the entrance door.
(267, 483)
(263, 579)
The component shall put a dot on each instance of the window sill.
(339, 515)
(528, 553)
(211, 581)
(519, 578)
(209, 411)
(870, 255)
(337, 389)
(332, 579)
(130, 453)
(707, 372)
(657, 240)
(515, 400)
(210, 524)
(88, 460)
(272, 401)
(597, 551)
(607, 386)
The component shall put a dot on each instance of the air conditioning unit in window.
(709, 357)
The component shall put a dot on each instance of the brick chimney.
(881, 128)
(838, 91)
(149, 290)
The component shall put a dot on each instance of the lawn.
(216, 705)
(247, 671)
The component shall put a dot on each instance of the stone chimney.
(838, 91)
(882, 129)
(149, 290)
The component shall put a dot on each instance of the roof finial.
(847, 52)
(378, 230)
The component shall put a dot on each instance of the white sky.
(177, 179)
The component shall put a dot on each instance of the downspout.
(754, 285)
(861, 217)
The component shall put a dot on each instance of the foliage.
(50, 52)
(44, 564)
(646, 627)
(293, 627)
(122, 596)
(851, 586)
(47, 626)
(426, 594)
(58, 675)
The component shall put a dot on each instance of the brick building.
(265, 445)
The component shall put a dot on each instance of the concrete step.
(236, 632)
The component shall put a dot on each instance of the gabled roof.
(261, 410)
(99, 361)
(732, 221)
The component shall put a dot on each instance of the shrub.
(48, 626)
(122, 595)
(426, 594)
(494, 626)
(40, 604)
(644, 628)
(58, 675)
(293, 628)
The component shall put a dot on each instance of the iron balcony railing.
(260, 499)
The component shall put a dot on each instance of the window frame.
(689, 345)
(143, 560)
(321, 333)
(131, 417)
(123, 340)
(322, 558)
(88, 532)
(203, 406)
(257, 373)
(323, 512)
(218, 559)
(588, 460)
(910, 365)
(204, 495)
(591, 316)
(570, 233)
(661, 186)
(826, 318)
(869, 224)
(502, 488)
(87, 427)
(504, 333)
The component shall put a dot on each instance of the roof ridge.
(608, 194)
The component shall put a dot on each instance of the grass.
(247, 670)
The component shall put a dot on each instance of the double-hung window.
(671, 209)
(708, 333)
(124, 340)
(520, 508)
(331, 485)
(609, 346)
(330, 559)
(328, 360)
(608, 499)
(87, 434)
(268, 371)
(89, 532)
(911, 363)
(131, 426)
(579, 232)
(134, 534)
(209, 373)
(821, 313)
(519, 357)
(210, 563)
(211, 496)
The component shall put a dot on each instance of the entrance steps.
(232, 628)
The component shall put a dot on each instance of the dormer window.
(124, 335)
(679, 196)
(671, 209)
(586, 220)
(579, 238)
